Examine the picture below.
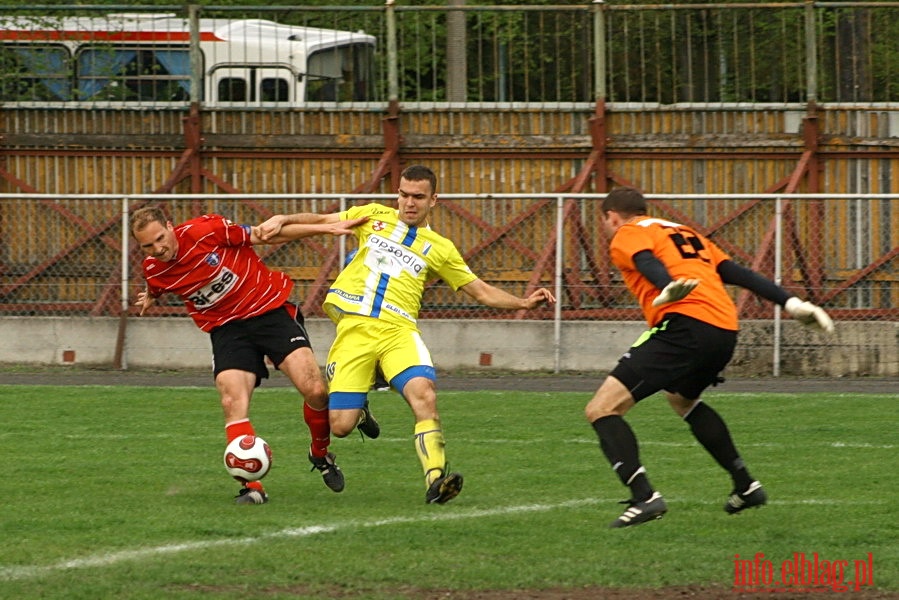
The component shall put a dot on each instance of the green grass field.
(119, 492)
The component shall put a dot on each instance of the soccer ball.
(248, 458)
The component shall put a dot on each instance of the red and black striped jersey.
(217, 273)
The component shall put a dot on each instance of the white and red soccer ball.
(248, 458)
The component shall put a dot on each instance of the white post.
(196, 56)
(341, 240)
(125, 274)
(778, 279)
(557, 313)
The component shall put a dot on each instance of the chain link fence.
(67, 256)
(69, 264)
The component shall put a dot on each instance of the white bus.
(142, 58)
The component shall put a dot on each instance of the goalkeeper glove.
(809, 314)
(674, 291)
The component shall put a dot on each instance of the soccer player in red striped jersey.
(209, 263)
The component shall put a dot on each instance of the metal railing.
(722, 53)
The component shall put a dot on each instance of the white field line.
(15, 573)
(18, 573)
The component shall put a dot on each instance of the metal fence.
(73, 257)
(67, 255)
(623, 53)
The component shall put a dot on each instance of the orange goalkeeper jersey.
(687, 255)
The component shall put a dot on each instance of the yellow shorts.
(360, 345)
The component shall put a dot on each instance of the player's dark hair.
(626, 201)
(146, 215)
(419, 173)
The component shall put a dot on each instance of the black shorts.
(681, 355)
(244, 344)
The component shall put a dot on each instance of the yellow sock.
(429, 444)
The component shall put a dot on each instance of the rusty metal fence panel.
(699, 150)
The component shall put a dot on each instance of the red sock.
(317, 421)
(237, 429)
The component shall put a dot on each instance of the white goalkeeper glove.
(809, 314)
(674, 291)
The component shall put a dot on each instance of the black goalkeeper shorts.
(681, 355)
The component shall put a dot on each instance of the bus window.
(232, 89)
(134, 73)
(363, 77)
(274, 89)
(324, 75)
(252, 85)
(340, 74)
(35, 73)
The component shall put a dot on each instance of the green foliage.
(717, 53)
(120, 492)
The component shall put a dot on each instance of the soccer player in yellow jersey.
(678, 276)
(375, 303)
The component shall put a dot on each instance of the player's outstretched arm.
(809, 314)
(276, 232)
(268, 229)
(803, 311)
(492, 296)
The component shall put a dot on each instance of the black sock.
(619, 444)
(710, 430)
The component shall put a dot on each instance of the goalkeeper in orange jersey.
(678, 276)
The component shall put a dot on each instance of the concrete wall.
(856, 348)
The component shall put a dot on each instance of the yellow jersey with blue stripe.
(387, 276)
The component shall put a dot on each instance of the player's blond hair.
(146, 215)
